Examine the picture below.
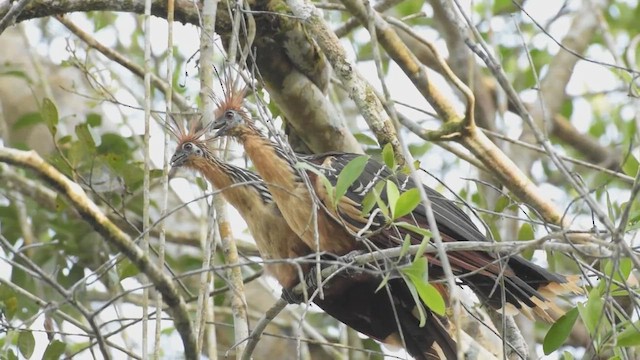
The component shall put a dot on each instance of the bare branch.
(112, 234)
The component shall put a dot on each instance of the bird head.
(192, 141)
(230, 122)
(187, 153)
(231, 118)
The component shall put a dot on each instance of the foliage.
(84, 110)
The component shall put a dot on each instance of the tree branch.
(90, 212)
(357, 87)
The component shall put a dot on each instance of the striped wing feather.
(478, 269)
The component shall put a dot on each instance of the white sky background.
(588, 78)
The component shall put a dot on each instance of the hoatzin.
(245, 191)
(525, 286)
(353, 302)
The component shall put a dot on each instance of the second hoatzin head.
(231, 118)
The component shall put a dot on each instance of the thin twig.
(205, 308)
(146, 195)
(624, 177)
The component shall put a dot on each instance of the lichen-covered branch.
(357, 87)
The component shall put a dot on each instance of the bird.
(352, 300)
(244, 190)
(301, 186)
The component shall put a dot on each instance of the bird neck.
(271, 161)
(229, 180)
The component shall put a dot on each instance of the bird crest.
(187, 127)
(234, 91)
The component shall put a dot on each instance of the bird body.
(354, 302)
(528, 287)
(501, 282)
(293, 196)
(246, 191)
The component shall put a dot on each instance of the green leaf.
(26, 343)
(54, 350)
(526, 232)
(369, 201)
(372, 198)
(384, 282)
(630, 167)
(417, 274)
(349, 174)
(49, 114)
(431, 297)
(61, 203)
(9, 307)
(392, 196)
(94, 120)
(388, 156)
(365, 139)
(426, 237)
(630, 336)
(416, 300)
(84, 135)
(620, 273)
(567, 356)
(155, 173)
(114, 144)
(11, 355)
(405, 245)
(127, 269)
(559, 331)
(168, 330)
(502, 203)
(417, 269)
(75, 274)
(407, 202)
(591, 311)
(27, 120)
(414, 228)
(202, 184)
(503, 6)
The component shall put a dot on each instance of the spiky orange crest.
(233, 91)
(187, 128)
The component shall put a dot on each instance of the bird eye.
(187, 146)
(229, 114)
(198, 151)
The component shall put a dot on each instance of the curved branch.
(358, 88)
(305, 107)
(456, 127)
(185, 10)
(90, 212)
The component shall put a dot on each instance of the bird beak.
(220, 125)
(178, 159)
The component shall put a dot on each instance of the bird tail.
(387, 316)
(433, 341)
(528, 289)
